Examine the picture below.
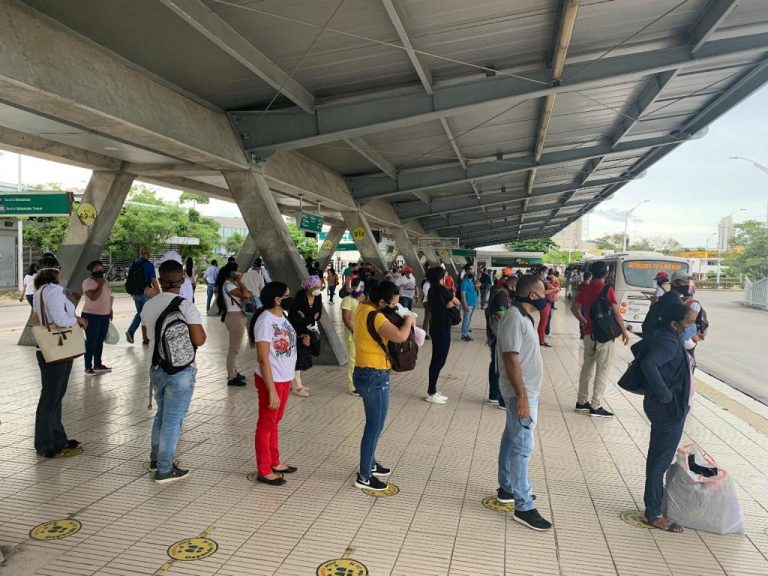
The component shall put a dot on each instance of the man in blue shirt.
(151, 287)
(468, 293)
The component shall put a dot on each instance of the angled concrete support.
(248, 251)
(431, 256)
(410, 254)
(329, 245)
(270, 236)
(362, 234)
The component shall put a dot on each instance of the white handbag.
(56, 343)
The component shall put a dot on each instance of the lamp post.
(759, 167)
(626, 222)
(706, 249)
(720, 246)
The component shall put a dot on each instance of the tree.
(532, 245)
(307, 246)
(559, 256)
(144, 195)
(641, 245)
(750, 250)
(233, 244)
(613, 242)
(194, 199)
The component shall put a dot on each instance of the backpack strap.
(604, 293)
(370, 323)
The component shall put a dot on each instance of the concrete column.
(362, 234)
(260, 212)
(431, 256)
(247, 252)
(329, 245)
(82, 244)
(406, 248)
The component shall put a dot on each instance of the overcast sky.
(689, 190)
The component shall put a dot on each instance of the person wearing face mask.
(441, 299)
(232, 295)
(141, 284)
(679, 290)
(406, 283)
(254, 280)
(668, 371)
(51, 301)
(305, 313)
(597, 356)
(371, 375)
(349, 306)
(502, 297)
(97, 310)
(521, 375)
(468, 297)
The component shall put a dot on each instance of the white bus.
(632, 275)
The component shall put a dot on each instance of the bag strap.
(370, 323)
(43, 318)
(604, 292)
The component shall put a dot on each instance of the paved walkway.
(585, 473)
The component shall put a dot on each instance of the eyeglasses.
(526, 426)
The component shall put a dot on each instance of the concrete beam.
(405, 247)
(189, 185)
(171, 170)
(261, 213)
(106, 96)
(358, 226)
(330, 244)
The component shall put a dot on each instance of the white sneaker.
(435, 399)
(493, 402)
(441, 395)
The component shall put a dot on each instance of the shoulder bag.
(56, 343)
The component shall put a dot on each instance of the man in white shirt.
(187, 291)
(210, 276)
(406, 283)
(255, 280)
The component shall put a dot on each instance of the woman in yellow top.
(371, 375)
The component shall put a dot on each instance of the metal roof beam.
(288, 129)
(198, 15)
(471, 230)
(366, 187)
(366, 151)
(395, 13)
(497, 235)
(714, 15)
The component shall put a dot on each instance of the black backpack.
(135, 282)
(402, 356)
(604, 325)
(173, 350)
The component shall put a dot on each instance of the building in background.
(571, 237)
(228, 227)
(725, 232)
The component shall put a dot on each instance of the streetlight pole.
(706, 249)
(720, 246)
(626, 222)
(759, 167)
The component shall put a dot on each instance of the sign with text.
(35, 203)
(311, 222)
(463, 252)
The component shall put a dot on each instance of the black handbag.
(633, 379)
(454, 315)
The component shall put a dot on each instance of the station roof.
(487, 121)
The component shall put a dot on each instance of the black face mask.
(98, 274)
(539, 303)
(684, 290)
(286, 303)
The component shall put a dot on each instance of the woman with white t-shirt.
(28, 286)
(274, 338)
(233, 293)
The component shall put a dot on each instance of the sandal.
(673, 527)
(72, 444)
(303, 392)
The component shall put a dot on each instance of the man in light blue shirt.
(468, 295)
(210, 276)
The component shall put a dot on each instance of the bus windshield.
(641, 273)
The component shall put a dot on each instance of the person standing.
(274, 338)
(173, 392)
(51, 304)
(522, 374)
(406, 284)
(232, 295)
(425, 285)
(331, 281)
(303, 315)
(141, 285)
(349, 272)
(97, 310)
(573, 282)
(501, 299)
(668, 371)
(190, 272)
(486, 283)
(349, 306)
(28, 285)
(441, 299)
(468, 297)
(597, 356)
(210, 276)
(371, 375)
(254, 280)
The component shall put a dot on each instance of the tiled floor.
(585, 473)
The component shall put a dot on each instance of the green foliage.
(193, 198)
(750, 254)
(47, 186)
(307, 246)
(144, 195)
(234, 243)
(45, 234)
(558, 256)
(532, 245)
(615, 242)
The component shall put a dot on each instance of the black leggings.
(441, 344)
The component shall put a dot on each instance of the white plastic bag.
(699, 502)
(113, 336)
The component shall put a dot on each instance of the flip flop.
(673, 527)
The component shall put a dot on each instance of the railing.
(756, 293)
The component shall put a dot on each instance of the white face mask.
(316, 292)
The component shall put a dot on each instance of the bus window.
(642, 273)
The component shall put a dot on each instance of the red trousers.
(266, 440)
(543, 319)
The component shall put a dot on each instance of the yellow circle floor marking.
(69, 452)
(192, 549)
(492, 503)
(390, 491)
(636, 518)
(342, 567)
(55, 530)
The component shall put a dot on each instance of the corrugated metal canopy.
(488, 120)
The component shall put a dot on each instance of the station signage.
(311, 222)
(463, 252)
(28, 203)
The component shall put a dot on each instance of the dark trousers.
(549, 320)
(95, 334)
(331, 293)
(49, 431)
(665, 437)
(494, 393)
(441, 345)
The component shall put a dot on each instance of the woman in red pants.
(274, 338)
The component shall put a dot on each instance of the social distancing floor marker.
(69, 452)
(190, 549)
(390, 491)
(344, 566)
(55, 530)
(492, 503)
(636, 518)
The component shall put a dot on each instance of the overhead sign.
(311, 222)
(35, 203)
(500, 261)
(463, 252)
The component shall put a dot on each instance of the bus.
(632, 275)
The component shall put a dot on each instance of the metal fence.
(756, 293)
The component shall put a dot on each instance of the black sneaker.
(372, 483)
(240, 376)
(152, 467)
(600, 413)
(583, 407)
(504, 497)
(380, 471)
(129, 337)
(176, 473)
(532, 519)
(235, 382)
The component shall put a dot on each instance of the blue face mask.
(690, 332)
(539, 303)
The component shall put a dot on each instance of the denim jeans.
(466, 321)
(666, 432)
(494, 393)
(515, 452)
(406, 302)
(373, 386)
(95, 334)
(211, 291)
(173, 394)
(49, 430)
(441, 345)
(138, 300)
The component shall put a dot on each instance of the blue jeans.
(494, 393)
(173, 393)
(515, 452)
(95, 334)
(406, 302)
(138, 300)
(466, 321)
(373, 387)
(666, 432)
(211, 291)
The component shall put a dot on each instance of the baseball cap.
(680, 275)
(506, 271)
(661, 275)
(407, 270)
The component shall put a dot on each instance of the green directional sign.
(311, 222)
(463, 252)
(35, 203)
